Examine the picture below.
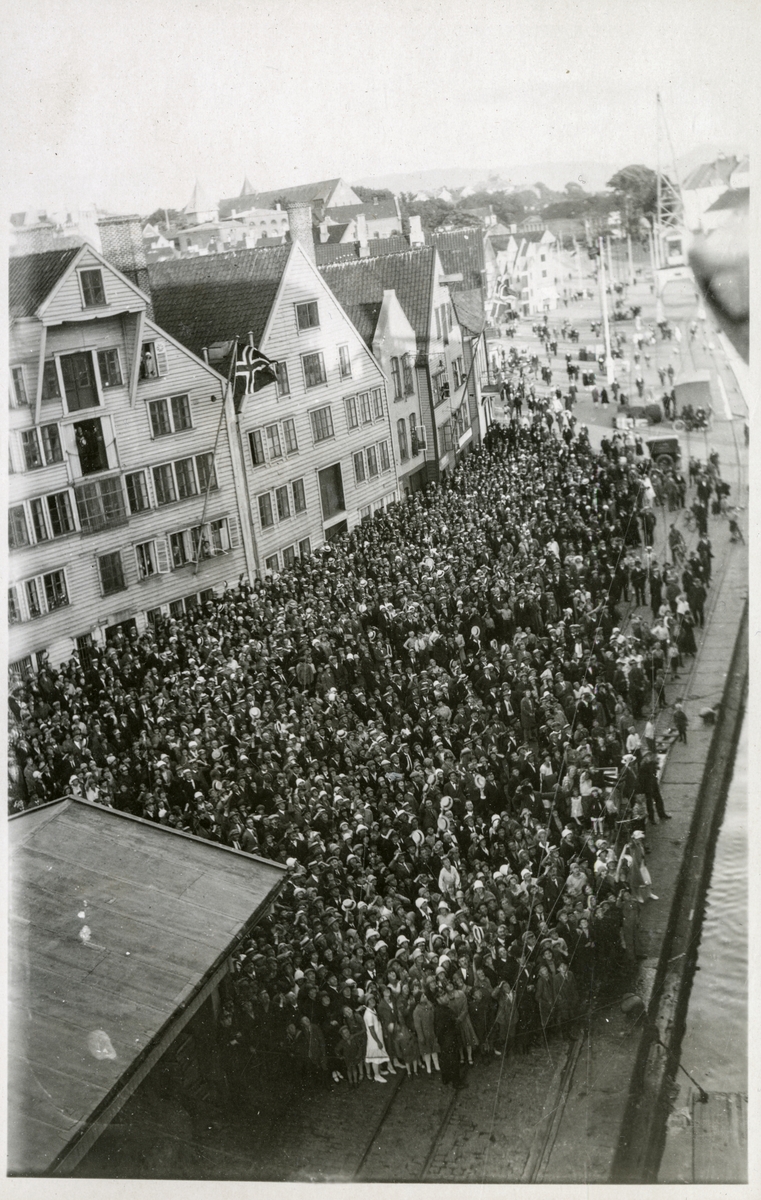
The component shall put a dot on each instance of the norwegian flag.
(255, 369)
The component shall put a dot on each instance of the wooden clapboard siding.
(136, 449)
(283, 342)
(65, 301)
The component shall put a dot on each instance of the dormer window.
(93, 291)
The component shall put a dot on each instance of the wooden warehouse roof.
(119, 930)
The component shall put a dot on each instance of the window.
(359, 467)
(272, 563)
(344, 362)
(93, 292)
(322, 424)
(257, 447)
(100, 505)
(273, 437)
(207, 472)
(414, 441)
(283, 504)
(281, 378)
(289, 435)
(22, 668)
(79, 381)
(14, 609)
(331, 491)
(59, 511)
(265, 511)
(378, 402)
(364, 404)
(170, 416)
(33, 600)
(461, 370)
(91, 446)
(145, 554)
(409, 383)
(163, 482)
(314, 369)
(111, 573)
(176, 608)
(186, 478)
(181, 413)
(308, 315)
(299, 496)
(50, 387)
(159, 414)
(153, 359)
(30, 445)
(179, 548)
(18, 534)
(289, 557)
(352, 420)
(110, 368)
(385, 461)
(39, 524)
(446, 439)
(219, 536)
(305, 547)
(544, 274)
(365, 513)
(401, 437)
(396, 377)
(51, 444)
(137, 492)
(153, 616)
(441, 387)
(372, 461)
(19, 387)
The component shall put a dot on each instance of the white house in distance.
(316, 445)
(122, 498)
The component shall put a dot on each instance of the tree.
(161, 215)
(367, 195)
(635, 192)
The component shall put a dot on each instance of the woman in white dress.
(375, 1054)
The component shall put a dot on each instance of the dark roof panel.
(358, 286)
(732, 198)
(461, 252)
(161, 909)
(217, 297)
(321, 190)
(32, 277)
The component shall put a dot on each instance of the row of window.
(100, 504)
(45, 593)
(285, 501)
(288, 556)
(452, 430)
(81, 378)
(369, 462)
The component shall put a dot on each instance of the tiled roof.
(217, 297)
(461, 252)
(385, 207)
(328, 252)
(322, 190)
(732, 198)
(31, 277)
(335, 233)
(469, 308)
(359, 285)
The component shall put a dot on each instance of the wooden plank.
(720, 1138)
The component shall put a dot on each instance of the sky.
(125, 103)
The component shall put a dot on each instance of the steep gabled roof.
(322, 190)
(461, 252)
(469, 308)
(31, 278)
(217, 297)
(359, 285)
(199, 201)
(714, 174)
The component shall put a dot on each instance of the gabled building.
(537, 275)
(382, 218)
(122, 498)
(418, 281)
(199, 208)
(703, 186)
(316, 445)
(325, 194)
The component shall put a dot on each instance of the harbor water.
(714, 1047)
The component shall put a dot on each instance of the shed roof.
(164, 910)
(358, 285)
(217, 297)
(32, 277)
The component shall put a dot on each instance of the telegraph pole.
(606, 326)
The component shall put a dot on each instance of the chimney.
(364, 249)
(300, 222)
(324, 235)
(122, 242)
(36, 239)
(416, 232)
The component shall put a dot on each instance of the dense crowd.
(431, 723)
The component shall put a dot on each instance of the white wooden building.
(122, 499)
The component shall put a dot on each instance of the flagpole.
(214, 452)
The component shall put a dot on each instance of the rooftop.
(322, 190)
(732, 198)
(218, 296)
(116, 923)
(358, 285)
(31, 277)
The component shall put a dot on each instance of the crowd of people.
(431, 724)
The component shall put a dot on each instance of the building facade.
(316, 445)
(122, 497)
